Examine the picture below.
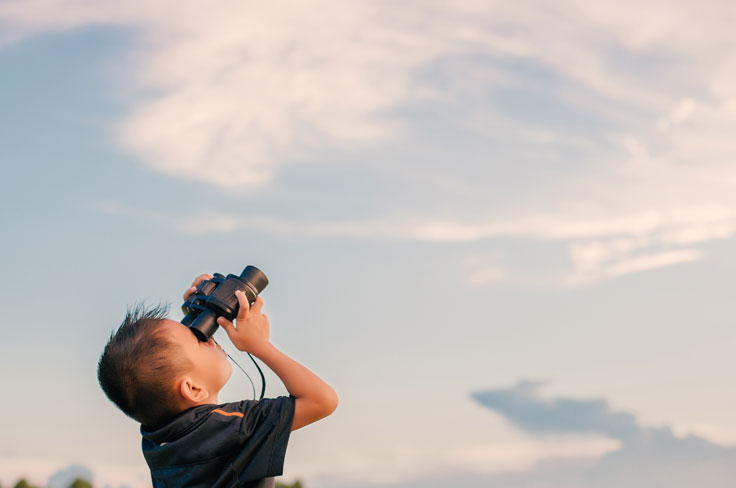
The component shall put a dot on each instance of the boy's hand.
(199, 279)
(251, 330)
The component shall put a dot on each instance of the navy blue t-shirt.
(239, 444)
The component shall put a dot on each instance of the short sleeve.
(263, 436)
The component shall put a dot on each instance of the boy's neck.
(211, 400)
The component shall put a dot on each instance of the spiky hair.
(139, 366)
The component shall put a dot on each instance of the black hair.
(139, 366)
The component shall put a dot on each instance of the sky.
(503, 232)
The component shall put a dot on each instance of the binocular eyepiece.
(216, 298)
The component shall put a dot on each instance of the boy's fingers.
(244, 305)
(225, 324)
(258, 305)
(189, 292)
(199, 279)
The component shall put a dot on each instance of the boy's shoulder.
(230, 442)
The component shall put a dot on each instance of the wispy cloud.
(504, 457)
(575, 443)
(404, 462)
(234, 94)
(570, 442)
(236, 90)
(243, 88)
(218, 222)
(598, 249)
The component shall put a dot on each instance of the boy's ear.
(191, 391)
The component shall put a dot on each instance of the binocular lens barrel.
(255, 281)
(204, 326)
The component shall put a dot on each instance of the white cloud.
(718, 434)
(216, 222)
(489, 274)
(402, 462)
(598, 249)
(230, 94)
(653, 261)
(524, 454)
(248, 87)
(482, 269)
(243, 87)
(680, 114)
(647, 456)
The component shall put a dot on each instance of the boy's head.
(153, 368)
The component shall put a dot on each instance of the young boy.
(157, 372)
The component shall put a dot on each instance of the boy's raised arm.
(315, 399)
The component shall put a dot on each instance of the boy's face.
(210, 366)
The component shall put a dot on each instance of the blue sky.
(447, 200)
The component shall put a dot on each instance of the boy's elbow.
(309, 410)
(327, 403)
(331, 402)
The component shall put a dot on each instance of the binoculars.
(216, 298)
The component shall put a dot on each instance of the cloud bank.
(565, 442)
(648, 456)
(629, 108)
